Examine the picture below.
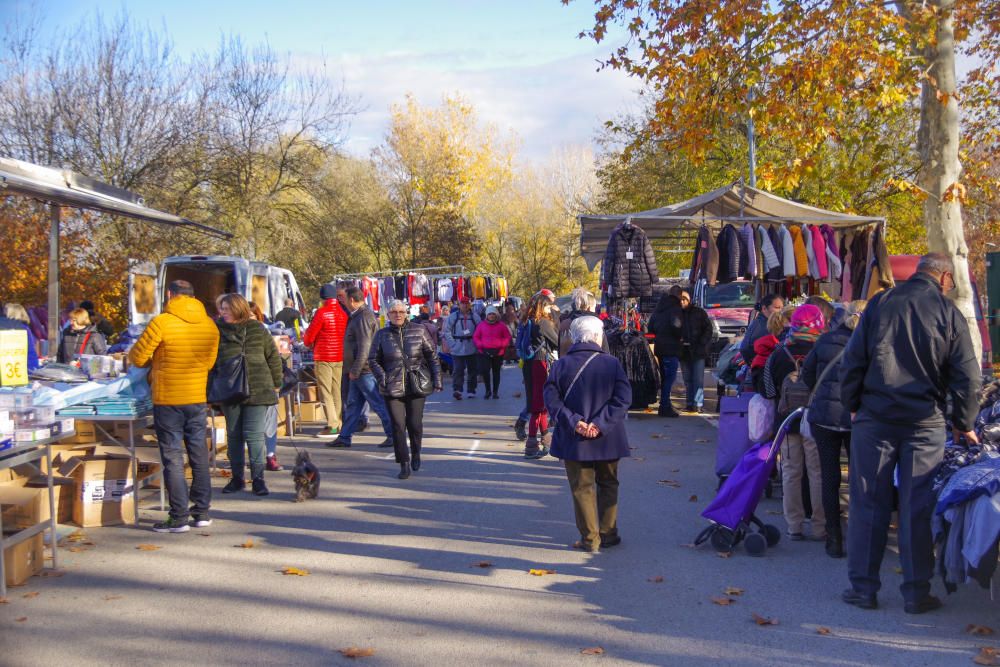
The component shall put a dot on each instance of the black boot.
(415, 462)
(404, 470)
(834, 544)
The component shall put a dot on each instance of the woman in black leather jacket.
(405, 364)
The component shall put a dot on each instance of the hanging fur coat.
(629, 268)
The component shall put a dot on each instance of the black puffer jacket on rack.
(626, 277)
(632, 350)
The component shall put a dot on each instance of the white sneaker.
(470, 395)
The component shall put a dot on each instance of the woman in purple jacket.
(587, 396)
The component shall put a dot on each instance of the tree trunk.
(938, 144)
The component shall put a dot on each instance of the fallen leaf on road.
(540, 573)
(4, 601)
(32, 594)
(483, 563)
(822, 631)
(21, 619)
(148, 547)
(355, 652)
(75, 550)
(479, 433)
(222, 472)
(246, 545)
(648, 411)
(988, 655)
(702, 440)
(593, 650)
(109, 598)
(693, 499)
(672, 483)
(77, 536)
(656, 436)
(732, 590)
(973, 629)
(761, 620)
(205, 534)
(655, 580)
(723, 602)
(724, 554)
(295, 571)
(50, 573)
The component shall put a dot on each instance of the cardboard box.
(62, 491)
(308, 393)
(22, 561)
(21, 507)
(103, 489)
(312, 412)
(86, 432)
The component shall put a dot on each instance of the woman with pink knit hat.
(799, 454)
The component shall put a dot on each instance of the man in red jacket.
(325, 336)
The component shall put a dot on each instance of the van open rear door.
(143, 292)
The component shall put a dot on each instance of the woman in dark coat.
(405, 364)
(829, 421)
(588, 396)
(695, 337)
(544, 340)
(80, 337)
(665, 324)
(240, 334)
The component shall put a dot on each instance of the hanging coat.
(799, 253)
(847, 288)
(759, 274)
(767, 249)
(819, 249)
(788, 250)
(807, 241)
(705, 264)
(729, 254)
(859, 263)
(832, 252)
(629, 268)
(773, 235)
(749, 268)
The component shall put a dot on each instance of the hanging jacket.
(767, 249)
(819, 250)
(396, 351)
(705, 263)
(832, 252)
(749, 242)
(826, 409)
(778, 272)
(263, 363)
(629, 277)
(788, 252)
(728, 244)
(807, 241)
(325, 334)
(799, 252)
(859, 263)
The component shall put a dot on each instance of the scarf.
(805, 334)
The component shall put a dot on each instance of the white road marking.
(384, 458)
(475, 446)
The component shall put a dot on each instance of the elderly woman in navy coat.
(588, 396)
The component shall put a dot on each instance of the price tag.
(13, 358)
(629, 255)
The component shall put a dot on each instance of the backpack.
(523, 342)
(794, 392)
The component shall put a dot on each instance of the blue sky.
(518, 61)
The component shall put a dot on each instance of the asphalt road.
(393, 566)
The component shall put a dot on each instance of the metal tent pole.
(54, 279)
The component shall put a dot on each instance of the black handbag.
(228, 381)
(418, 382)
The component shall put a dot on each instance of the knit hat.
(465, 299)
(807, 316)
(328, 291)
(492, 310)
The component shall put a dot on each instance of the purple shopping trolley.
(731, 512)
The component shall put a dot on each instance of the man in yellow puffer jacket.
(182, 344)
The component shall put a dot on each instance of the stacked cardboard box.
(21, 508)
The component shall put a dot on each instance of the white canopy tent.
(735, 203)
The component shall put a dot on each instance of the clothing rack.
(396, 272)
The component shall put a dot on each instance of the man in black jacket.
(909, 354)
(695, 337)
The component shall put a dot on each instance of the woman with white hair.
(588, 395)
(829, 420)
(584, 303)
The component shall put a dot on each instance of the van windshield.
(730, 295)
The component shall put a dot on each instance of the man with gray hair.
(910, 354)
(587, 394)
(584, 303)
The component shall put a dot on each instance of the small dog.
(306, 477)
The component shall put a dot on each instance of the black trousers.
(180, 428)
(407, 416)
(877, 449)
(829, 443)
(466, 368)
(490, 368)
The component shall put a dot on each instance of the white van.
(211, 275)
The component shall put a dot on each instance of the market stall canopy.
(733, 203)
(66, 188)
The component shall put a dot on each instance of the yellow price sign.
(13, 358)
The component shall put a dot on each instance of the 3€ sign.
(13, 358)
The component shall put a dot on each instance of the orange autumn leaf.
(540, 573)
(732, 590)
(822, 631)
(761, 620)
(693, 499)
(148, 547)
(483, 563)
(355, 652)
(593, 650)
(723, 601)
(32, 594)
(981, 630)
(295, 571)
(246, 545)
(988, 655)
(21, 619)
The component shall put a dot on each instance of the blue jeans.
(668, 375)
(694, 380)
(178, 425)
(245, 424)
(362, 390)
(271, 430)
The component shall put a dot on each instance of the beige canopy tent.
(735, 203)
(61, 188)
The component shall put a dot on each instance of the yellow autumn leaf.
(295, 571)
(540, 573)
(246, 545)
(148, 547)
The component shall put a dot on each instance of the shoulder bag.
(805, 428)
(228, 381)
